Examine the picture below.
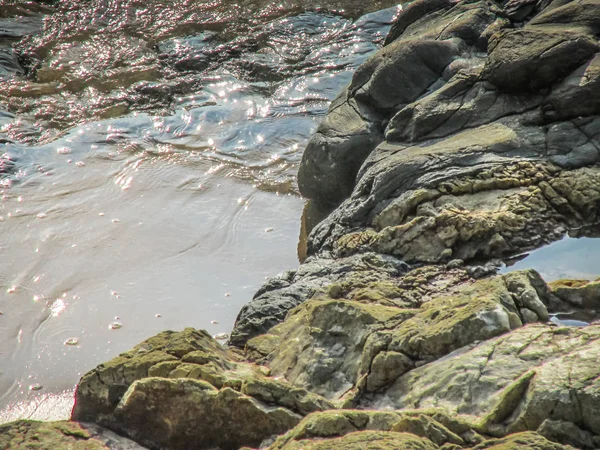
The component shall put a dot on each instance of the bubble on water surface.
(72, 341)
(115, 325)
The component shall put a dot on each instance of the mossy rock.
(62, 435)
(360, 440)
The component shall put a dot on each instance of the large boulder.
(435, 39)
(370, 335)
(480, 142)
(482, 193)
(514, 382)
(184, 390)
(534, 57)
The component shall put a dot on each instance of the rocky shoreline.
(472, 136)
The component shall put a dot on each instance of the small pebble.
(72, 341)
(115, 325)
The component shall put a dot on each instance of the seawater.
(147, 169)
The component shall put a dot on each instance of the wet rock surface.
(472, 136)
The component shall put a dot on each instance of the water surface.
(147, 169)
(569, 258)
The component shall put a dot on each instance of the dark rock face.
(487, 151)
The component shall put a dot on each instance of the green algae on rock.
(30, 435)
(417, 430)
(368, 337)
(197, 390)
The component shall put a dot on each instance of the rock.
(582, 13)
(511, 206)
(321, 341)
(525, 441)
(336, 151)
(577, 95)
(487, 151)
(406, 429)
(371, 439)
(26, 434)
(533, 58)
(579, 293)
(278, 296)
(190, 413)
(464, 102)
(418, 52)
(514, 382)
(569, 434)
(197, 392)
(418, 430)
(370, 336)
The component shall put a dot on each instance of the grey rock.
(534, 57)
(272, 305)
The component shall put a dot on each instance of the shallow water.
(571, 257)
(147, 170)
